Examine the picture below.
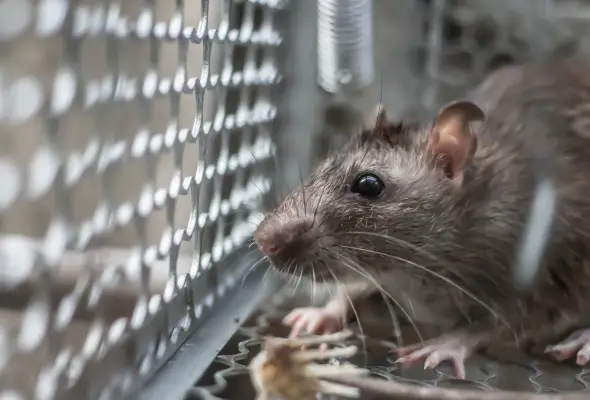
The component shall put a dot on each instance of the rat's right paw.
(313, 320)
(433, 352)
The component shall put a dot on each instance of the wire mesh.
(134, 154)
(501, 369)
(467, 40)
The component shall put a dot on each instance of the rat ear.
(451, 144)
(377, 119)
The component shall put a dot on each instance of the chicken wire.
(501, 369)
(144, 157)
(135, 156)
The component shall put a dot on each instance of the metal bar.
(193, 358)
(303, 100)
(345, 44)
(435, 43)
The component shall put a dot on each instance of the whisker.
(252, 268)
(278, 167)
(313, 283)
(394, 318)
(328, 286)
(359, 270)
(354, 311)
(397, 329)
(278, 174)
(296, 279)
(265, 273)
(439, 276)
(401, 242)
(294, 204)
(317, 207)
(289, 274)
(418, 249)
(302, 190)
(421, 250)
(299, 279)
(386, 297)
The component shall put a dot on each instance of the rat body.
(431, 215)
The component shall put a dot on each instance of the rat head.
(387, 194)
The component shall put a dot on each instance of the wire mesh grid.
(136, 137)
(500, 369)
(136, 153)
(464, 41)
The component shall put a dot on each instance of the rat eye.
(367, 185)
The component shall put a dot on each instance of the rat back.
(537, 130)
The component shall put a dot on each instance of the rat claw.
(406, 350)
(292, 317)
(439, 350)
(432, 361)
(312, 320)
(578, 344)
(582, 359)
(459, 369)
(297, 328)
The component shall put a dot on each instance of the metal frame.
(193, 358)
(294, 143)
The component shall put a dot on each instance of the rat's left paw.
(315, 320)
(433, 352)
(578, 343)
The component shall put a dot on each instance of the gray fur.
(467, 234)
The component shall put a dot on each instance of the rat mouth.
(317, 270)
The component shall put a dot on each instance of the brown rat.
(431, 216)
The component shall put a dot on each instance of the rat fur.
(441, 237)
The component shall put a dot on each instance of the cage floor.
(227, 377)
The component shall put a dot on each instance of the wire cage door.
(135, 157)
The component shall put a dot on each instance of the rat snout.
(283, 240)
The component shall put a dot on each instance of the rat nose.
(278, 239)
(268, 247)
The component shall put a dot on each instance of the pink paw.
(313, 320)
(578, 343)
(435, 351)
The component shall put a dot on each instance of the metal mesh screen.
(228, 378)
(464, 41)
(135, 137)
(136, 150)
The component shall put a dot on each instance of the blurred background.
(142, 140)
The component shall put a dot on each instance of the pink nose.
(268, 248)
(276, 239)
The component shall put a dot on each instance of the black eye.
(367, 185)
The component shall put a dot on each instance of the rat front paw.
(313, 320)
(578, 343)
(433, 352)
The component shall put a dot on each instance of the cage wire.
(135, 146)
(138, 146)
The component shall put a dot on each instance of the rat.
(430, 214)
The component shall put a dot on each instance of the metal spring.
(345, 45)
